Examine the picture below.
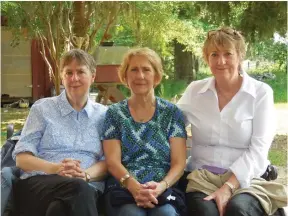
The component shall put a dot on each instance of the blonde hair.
(224, 37)
(82, 57)
(151, 56)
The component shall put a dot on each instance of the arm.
(97, 171)
(28, 162)
(252, 163)
(178, 162)
(177, 140)
(112, 151)
(26, 150)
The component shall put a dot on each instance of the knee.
(197, 206)
(7, 177)
(235, 208)
(81, 187)
(165, 210)
(131, 210)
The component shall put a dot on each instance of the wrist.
(131, 184)
(87, 176)
(230, 187)
(166, 184)
(54, 168)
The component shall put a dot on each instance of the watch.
(123, 179)
(231, 186)
(87, 177)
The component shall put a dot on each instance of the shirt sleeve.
(253, 161)
(177, 128)
(184, 104)
(111, 129)
(32, 133)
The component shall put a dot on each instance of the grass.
(278, 157)
(12, 116)
(279, 84)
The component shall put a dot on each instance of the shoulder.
(100, 108)
(118, 106)
(165, 105)
(261, 88)
(45, 103)
(197, 85)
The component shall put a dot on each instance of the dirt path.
(280, 141)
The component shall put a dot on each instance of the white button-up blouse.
(239, 137)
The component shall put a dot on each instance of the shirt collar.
(247, 85)
(210, 84)
(66, 108)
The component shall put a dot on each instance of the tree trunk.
(184, 62)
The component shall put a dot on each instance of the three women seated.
(233, 124)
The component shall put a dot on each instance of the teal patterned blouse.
(145, 148)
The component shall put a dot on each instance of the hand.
(221, 197)
(157, 187)
(143, 196)
(71, 168)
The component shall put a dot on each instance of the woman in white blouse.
(233, 124)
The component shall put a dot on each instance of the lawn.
(17, 117)
(12, 116)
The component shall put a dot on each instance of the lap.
(239, 204)
(44, 189)
(133, 209)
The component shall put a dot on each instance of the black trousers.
(240, 205)
(54, 195)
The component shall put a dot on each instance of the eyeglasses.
(231, 32)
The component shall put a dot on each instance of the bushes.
(279, 84)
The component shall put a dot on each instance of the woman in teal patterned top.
(144, 137)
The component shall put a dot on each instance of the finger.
(210, 197)
(67, 160)
(149, 205)
(149, 194)
(220, 207)
(68, 175)
(70, 165)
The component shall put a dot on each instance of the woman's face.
(77, 79)
(140, 76)
(223, 61)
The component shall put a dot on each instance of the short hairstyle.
(225, 37)
(151, 56)
(82, 57)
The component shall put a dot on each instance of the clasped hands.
(145, 195)
(70, 168)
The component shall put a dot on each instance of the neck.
(78, 103)
(228, 84)
(142, 101)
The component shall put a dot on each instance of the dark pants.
(240, 205)
(54, 195)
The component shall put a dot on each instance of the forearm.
(116, 169)
(98, 171)
(28, 162)
(175, 173)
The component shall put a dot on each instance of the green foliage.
(171, 89)
(126, 91)
(270, 50)
(279, 84)
(257, 20)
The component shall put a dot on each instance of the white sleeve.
(253, 162)
(184, 103)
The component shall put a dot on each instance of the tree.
(61, 26)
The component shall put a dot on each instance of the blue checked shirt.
(54, 131)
